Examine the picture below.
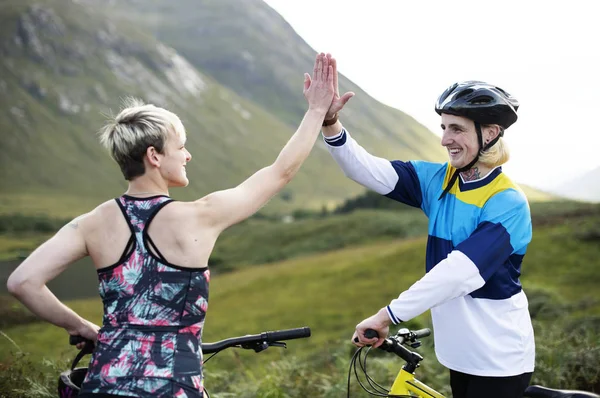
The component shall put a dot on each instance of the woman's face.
(460, 139)
(175, 158)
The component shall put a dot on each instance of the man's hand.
(380, 322)
(338, 102)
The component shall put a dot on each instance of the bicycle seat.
(543, 392)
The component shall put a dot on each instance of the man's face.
(460, 139)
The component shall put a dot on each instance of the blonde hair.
(137, 127)
(497, 155)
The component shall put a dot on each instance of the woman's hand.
(87, 330)
(379, 322)
(319, 89)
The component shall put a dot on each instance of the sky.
(405, 53)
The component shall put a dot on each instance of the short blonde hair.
(137, 127)
(497, 155)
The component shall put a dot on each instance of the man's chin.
(456, 165)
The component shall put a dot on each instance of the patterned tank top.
(150, 341)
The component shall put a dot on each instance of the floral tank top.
(150, 341)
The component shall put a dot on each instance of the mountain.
(537, 195)
(231, 70)
(585, 187)
(257, 54)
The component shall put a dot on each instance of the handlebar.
(253, 340)
(74, 340)
(395, 344)
(257, 342)
(402, 335)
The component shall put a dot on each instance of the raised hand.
(338, 102)
(319, 89)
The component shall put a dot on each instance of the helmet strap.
(471, 164)
(493, 142)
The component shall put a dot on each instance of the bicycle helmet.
(69, 382)
(482, 103)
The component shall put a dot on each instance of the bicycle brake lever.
(415, 344)
(257, 347)
(263, 345)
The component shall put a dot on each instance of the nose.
(446, 138)
(188, 156)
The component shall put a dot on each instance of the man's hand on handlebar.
(379, 322)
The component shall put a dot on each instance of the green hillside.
(332, 291)
(257, 54)
(536, 195)
(65, 63)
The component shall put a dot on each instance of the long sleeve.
(492, 250)
(395, 179)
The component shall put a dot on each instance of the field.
(336, 286)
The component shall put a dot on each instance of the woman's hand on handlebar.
(380, 322)
(87, 330)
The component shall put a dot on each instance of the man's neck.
(472, 174)
(475, 173)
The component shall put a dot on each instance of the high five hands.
(325, 73)
(338, 102)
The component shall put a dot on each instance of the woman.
(151, 252)
(479, 229)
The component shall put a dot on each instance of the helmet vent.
(481, 100)
(463, 93)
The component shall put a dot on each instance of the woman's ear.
(153, 156)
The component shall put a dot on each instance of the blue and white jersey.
(478, 235)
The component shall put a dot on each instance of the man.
(479, 229)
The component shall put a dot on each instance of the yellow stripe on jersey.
(479, 196)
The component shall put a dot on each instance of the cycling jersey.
(150, 341)
(478, 235)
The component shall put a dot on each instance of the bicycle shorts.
(469, 386)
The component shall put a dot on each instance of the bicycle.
(69, 381)
(407, 386)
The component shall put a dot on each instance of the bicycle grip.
(422, 333)
(369, 334)
(74, 340)
(288, 334)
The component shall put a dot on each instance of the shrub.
(25, 377)
(14, 313)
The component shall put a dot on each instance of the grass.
(14, 247)
(260, 241)
(332, 291)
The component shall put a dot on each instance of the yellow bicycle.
(407, 386)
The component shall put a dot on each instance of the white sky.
(405, 53)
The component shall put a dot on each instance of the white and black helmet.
(481, 102)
